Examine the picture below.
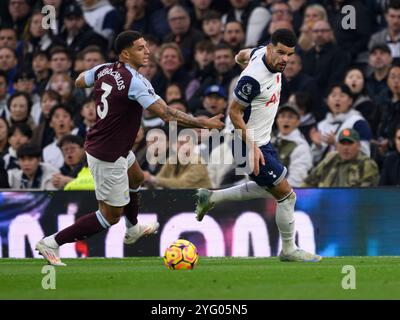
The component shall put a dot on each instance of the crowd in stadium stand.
(339, 120)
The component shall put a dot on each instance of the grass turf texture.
(213, 278)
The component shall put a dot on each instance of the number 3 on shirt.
(107, 90)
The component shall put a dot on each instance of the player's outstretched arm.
(80, 81)
(167, 113)
(243, 57)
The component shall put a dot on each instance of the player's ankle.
(288, 246)
(51, 242)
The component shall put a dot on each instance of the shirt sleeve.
(246, 90)
(90, 74)
(142, 91)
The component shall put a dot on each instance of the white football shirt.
(259, 89)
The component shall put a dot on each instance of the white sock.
(285, 221)
(51, 241)
(244, 191)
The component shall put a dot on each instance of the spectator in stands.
(43, 134)
(203, 57)
(225, 73)
(8, 37)
(60, 60)
(294, 80)
(325, 62)
(313, 13)
(215, 100)
(19, 14)
(20, 105)
(3, 136)
(151, 69)
(173, 92)
(8, 64)
(36, 38)
(355, 80)
(33, 174)
(212, 26)
(103, 18)
(346, 167)
(93, 56)
(172, 70)
(280, 12)
(78, 34)
(19, 134)
(351, 40)
(189, 172)
(61, 121)
(380, 59)
(200, 9)
(136, 17)
(182, 33)
(139, 147)
(390, 174)
(4, 113)
(390, 35)
(303, 101)
(341, 116)
(156, 149)
(63, 84)
(293, 149)
(88, 114)
(25, 81)
(234, 35)
(41, 68)
(73, 155)
(159, 19)
(252, 16)
(83, 181)
(390, 109)
(298, 8)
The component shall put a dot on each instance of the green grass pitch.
(213, 278)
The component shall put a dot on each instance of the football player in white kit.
(252, 112)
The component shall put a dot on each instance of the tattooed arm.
(167, 113)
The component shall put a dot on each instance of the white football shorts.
(111, 181)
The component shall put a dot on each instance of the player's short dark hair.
(125, 40)
(285, 36)
(60, 106)
(70, 138)
(29, 150)
(24, 128)
(20, 94)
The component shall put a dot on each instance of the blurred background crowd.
(339, 119)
